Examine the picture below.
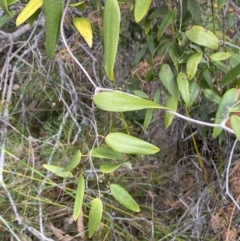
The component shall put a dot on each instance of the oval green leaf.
(74, 161)
(168, 79)
(83, 25)
(53, 10)
(192, 65)
(57, 171)
(28, 11)
(95, 216)
(193, 92)
(124, 143)
(220, 56)
(140, 9)
(235, 122)
(102, 152)
(117, 101)
(211, 95)
(124, 198)
(111, 167)
(111, 27)
(203, 37)
(183, 86)
(79, 197)
(229, 98)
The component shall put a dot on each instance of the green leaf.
(183, 86)
(147, 26)
(168, 79)
(231, 75)
(83, 25)
(117, 101)
(194, 92)
(229, 98)
(95, 216)
(11, 2)
(79, 197)
(175, 53)
(220, 3)
(140, 9)
(102, 152)
(166, 21)
(111, 167)
(220, 56)
(148, 118)
(53, 10)
(57, 171)
(195, 11)
(158, 13)
(74, 162)
(111, 27)
(157, 95)
(192, 65)
(235, 122)
(203, 37)
(79, 5)
(124, 198)
(6, 18)
(28, 11)
(172, 103)
(235, 109)
(140, 94)
(124, 143)
(139, 55)
(4, 6)
(211, 95)
(34, 17)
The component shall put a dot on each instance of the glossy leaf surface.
(168, 79)
(103, 152)
(124, 143)
(203, 37)
(117, 101)
(192, 65)
(111, 167)
(124, 198)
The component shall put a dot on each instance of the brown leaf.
(59, 234)
(80, 226)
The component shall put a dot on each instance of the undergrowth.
(181, 190)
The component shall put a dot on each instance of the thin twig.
(227, 175)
